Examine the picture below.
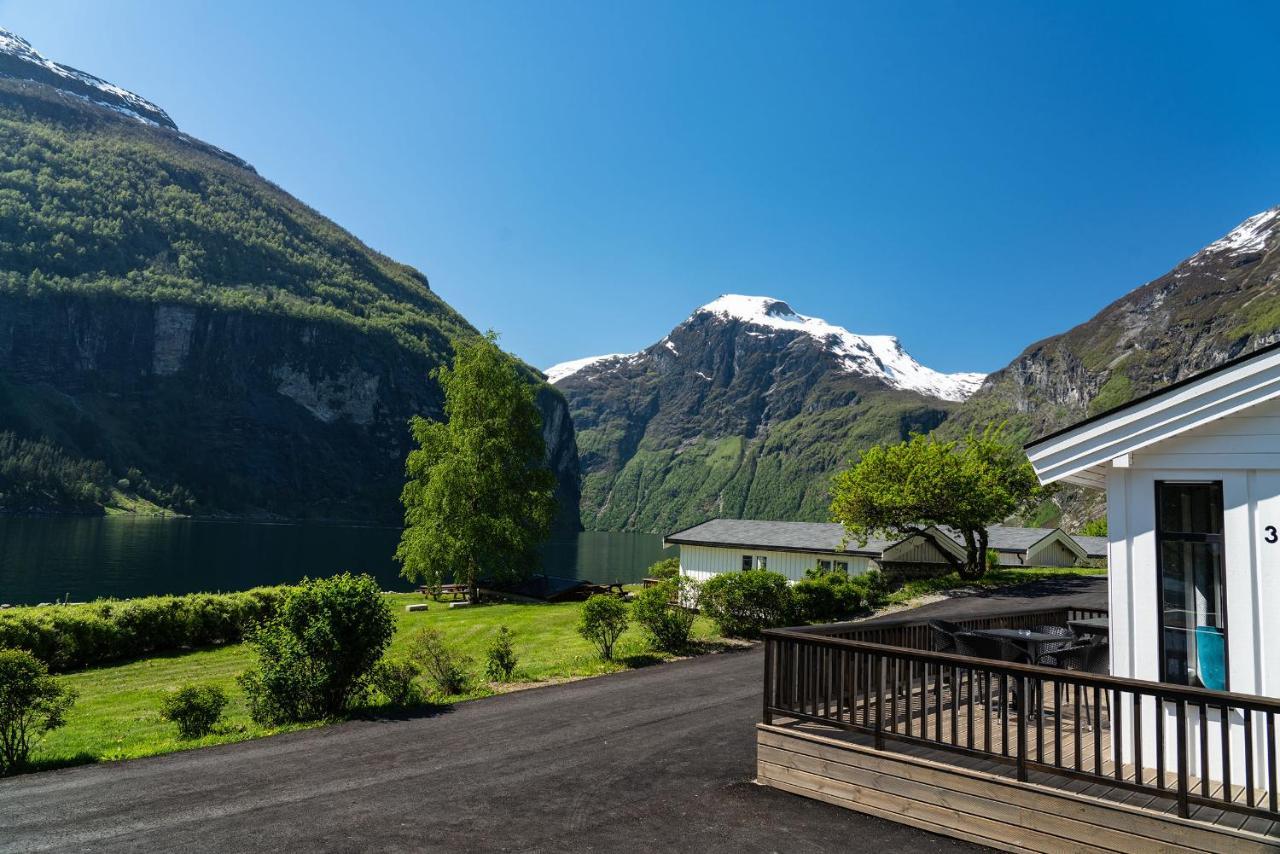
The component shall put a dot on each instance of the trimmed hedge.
(68, 637)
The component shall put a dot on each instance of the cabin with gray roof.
(792, 548)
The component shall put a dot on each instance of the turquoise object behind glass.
(1210, 658)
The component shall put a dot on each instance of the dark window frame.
(1188, 537)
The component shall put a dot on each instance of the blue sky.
(968, 176)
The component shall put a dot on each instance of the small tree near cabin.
(479, 498)
(901, 490)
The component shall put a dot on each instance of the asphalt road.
(659, 759)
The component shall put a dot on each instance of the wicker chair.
(944, 635)
(1087, 656)
(995, 649)
(1068, 638)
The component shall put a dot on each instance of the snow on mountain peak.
(879, 356)
(1252, 235)
(555, 373)
(18, 59)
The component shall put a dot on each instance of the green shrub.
(602, 621)
(1094, 527)
(818, 601)
(664, 569)
(315, 656)
(194, 708)
(500, 660)
(397, 681)
(993, 559)
(666, 613)
(871, 588)
(742, 604)
(445, 668)
(31, 703)
(67, 637)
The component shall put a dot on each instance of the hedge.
(67, 637)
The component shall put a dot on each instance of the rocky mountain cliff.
(744, 410)
(165, 310)
(1222, 301)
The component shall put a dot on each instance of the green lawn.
(117, 713)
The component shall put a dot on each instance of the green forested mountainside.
(166, 310)
(725, 418)
(92, 203)
(1219, 303)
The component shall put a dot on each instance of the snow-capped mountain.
(743, 409)
(20, 61)
(880, 357)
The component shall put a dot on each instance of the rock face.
(744, 410)
(256, 415)
(165, 309)
(1221, 302)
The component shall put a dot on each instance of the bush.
(194, 708)
(993, 559)
(819, 601)
(1094, 527)
(664, 569)
(31, 703)
(66, 637)
(397, 681)
(666, 613)
(445, 668)
(742, 604)
(602, 621)
(871, 587)
(500, 660)
(315, 656)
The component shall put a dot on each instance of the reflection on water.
(121, 556)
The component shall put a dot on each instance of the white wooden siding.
(1052, 553)
(702, 562)
(915, 550)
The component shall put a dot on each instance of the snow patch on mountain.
(555, 373)
(1248, 237)
(879, 356)
(20, 60)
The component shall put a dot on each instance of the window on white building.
(746, 562)
(1193, 619)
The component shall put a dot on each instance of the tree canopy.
(903, 489)
(479, 496)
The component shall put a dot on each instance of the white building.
(792, 548)
(1192, 474)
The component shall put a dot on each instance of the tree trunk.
(975, 565)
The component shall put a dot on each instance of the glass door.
(1193, 616)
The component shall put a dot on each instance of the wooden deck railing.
(884, 680)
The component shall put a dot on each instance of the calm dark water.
(46, 559)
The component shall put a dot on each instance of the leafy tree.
(665, 569)
(1094, 527)
(31, 703)
(901, 490)
(479, 497)
(602, 621)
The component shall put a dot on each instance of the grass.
(917, 588)
(117, 715)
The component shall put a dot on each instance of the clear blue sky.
(579, 176)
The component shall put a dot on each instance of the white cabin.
(792, 548)
(1192, 476)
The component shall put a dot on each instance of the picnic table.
(438, 591)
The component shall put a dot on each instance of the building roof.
(1085, 451)
(1093, 546)
(824, 537)
(774, 536)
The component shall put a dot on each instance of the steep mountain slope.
(165, 309)
(1222, 301)
(743, 410)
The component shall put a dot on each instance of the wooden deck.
(929, 734)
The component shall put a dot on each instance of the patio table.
(1031, 641)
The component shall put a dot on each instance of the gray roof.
(1093, 546)
(777, 536)
(827, 536)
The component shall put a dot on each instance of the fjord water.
(119, 556)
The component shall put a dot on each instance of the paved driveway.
(651, 760)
